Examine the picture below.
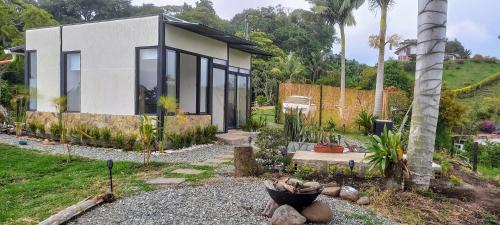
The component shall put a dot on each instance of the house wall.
(108, 61)
(186, 40)
(46, 43)
(239, 58)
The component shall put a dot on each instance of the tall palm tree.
(379, 86)
(338, 12)
(431, 41)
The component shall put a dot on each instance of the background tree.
(379, 85)
(338, 12)
(456, 47)
(72, 11)
(432, 16)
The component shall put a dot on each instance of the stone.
(331, 191)
(188, 171)
(331, 184)
(270, 208)
(165, 181)
(47, 142)
(295, 182)
(363, 201)
(349, 193)
(287, 215)
(318, 212)
(311, 184)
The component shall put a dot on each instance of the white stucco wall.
(108, 61)
(46, 44)
(186, 40)
(239, 58)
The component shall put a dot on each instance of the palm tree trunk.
(379, 88)
(342, 72)
(427, 92)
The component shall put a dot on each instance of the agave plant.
(365, 120)
(386, 155)
(294, 125)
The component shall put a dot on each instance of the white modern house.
(112, 72)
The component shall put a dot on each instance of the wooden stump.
(244, 161)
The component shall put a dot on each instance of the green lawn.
(460, 75)
(267, 113)
(35, 185)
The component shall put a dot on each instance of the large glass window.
(242, 101)
(188, 84)
(147, 99)
(231, 101)
(203, 84)
(218, 83)
(32, 62)
(73, 73)
(171, 73)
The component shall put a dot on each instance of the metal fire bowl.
(296, 200)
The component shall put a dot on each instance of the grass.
(460, 75)
(489, 172)
(267, 113)
(34, 185)
(356, 136)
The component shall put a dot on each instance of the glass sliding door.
(242, 103)
(188, 83)
(231, 101)
(203, 85)
(218, 92)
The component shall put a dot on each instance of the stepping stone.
(165, 181)
(188, 171)
(214, 161)
(228, 156)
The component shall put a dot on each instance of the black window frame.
(238, 73)
(65, 77)
(137, 77)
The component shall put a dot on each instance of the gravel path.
(223, 201)
(194, 155)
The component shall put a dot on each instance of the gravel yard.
(195, 154)
(221, 201)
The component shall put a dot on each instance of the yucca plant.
(294, 125)
(386, 155)
(365, 120)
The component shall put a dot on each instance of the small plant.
(365, 120)
(306, 172)
(456, 181)
(270, 142)
(20, 103)
(331, 169)
(32, 127)
(129, 142)
(147, 137)
(40, 127)
(330, 125)
(294, 125)
(254, 124)
(387, 156)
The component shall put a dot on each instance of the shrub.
(129, 142)
(261, 100)
(306, 172)
(387, 153)
(330, 125)
(95, 133)
(40, 127)
(487, 126)
(477, 58)
(489, 154)
(32, 127)
(254, 124)
(270, 141)
(365, 120)
(118, 140)
(55, 131)
(460, 61)
(105, 134)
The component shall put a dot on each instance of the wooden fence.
(326, 101)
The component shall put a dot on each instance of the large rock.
(349, 193)
(318, 212)
(287, 215)
(270, 208)
(363, 200)
(311, 184)
(331, 191)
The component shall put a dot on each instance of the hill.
(460, 75)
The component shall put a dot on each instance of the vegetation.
(476, 86)
(366, 121)
(197, 135)
(271, 141)
(457, 75)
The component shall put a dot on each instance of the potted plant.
(328, 147)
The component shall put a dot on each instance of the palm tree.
(379, 87)
(338, 12)
(431, 41)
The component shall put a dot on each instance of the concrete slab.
(330, 157)
(235, 137)
(228, 156)
(165, 181)
(188, 171)
(214, 161)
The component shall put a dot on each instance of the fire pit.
(294, 194)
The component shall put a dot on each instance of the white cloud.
(474, 23)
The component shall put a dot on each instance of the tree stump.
(244, 161)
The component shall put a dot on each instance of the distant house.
(452, 56)
(407, 50)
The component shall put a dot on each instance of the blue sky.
(476, 23)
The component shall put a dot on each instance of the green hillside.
(460, 75)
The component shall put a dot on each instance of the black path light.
(351, 166)
(110, 167)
